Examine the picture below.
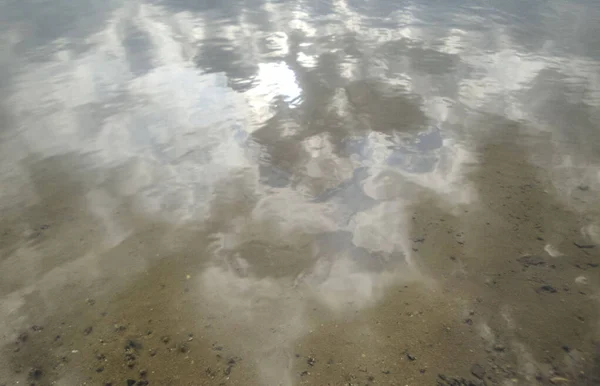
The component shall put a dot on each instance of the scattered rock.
(210, 372)
(100, 369)
(311, 361)
(583, 246)
(451, 381)
(143, 373)
(411, 357)
(469, 321)
(548, 288)
(132, 345)
(558, 380)
(499, 348)
(37, 328)
(165, 339)
(566, 348)
(35, 373)
(130, 382)
(88, 330)
(478, 371)
(120, 328)
(529, 261)
(23, 337)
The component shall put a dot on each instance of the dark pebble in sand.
(143, 373)
(23, 337)
(583, 246)
(100, 369)
(411, 357)
(35, 373)
(311, 361)
(304, 373)
(37, 328)
(566, 348)
(132, 345)
(478, 371)
(130, 382)
(227, 371)
(469, 321)
(88, 330)
(548, 288)
(165, 339)
(529, 261)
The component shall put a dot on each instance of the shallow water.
(299, 192)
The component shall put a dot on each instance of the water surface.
(299, 192)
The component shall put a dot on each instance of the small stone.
(130, 382)
(37, 328)
(548, 288)
(35, 373)
(478, 371)
(583, 187)
(469, 321)
(23, 337)
(165, 339)
(566, 348)
(88, 330)
(411, 357)
(100, 369)
(499, 347)
(583, 246)
(311, 361)
(143, 373)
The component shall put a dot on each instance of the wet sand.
(291, 194)
(503, 292)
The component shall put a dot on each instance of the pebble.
(478, 371)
